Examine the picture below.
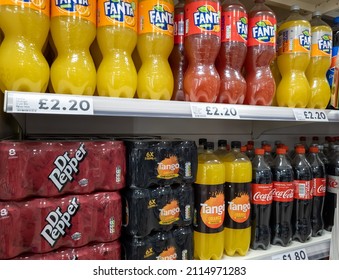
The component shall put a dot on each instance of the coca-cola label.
(58, 222)
(319, 186)
(179, 28)
(67, 167)
(283, 191)
(234, 26)
(332, 184)
(262, 194)
(303, 189)
(262, 31)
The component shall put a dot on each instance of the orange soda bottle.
(117, 38)
(25, 25)
(73, 29)
(155, 43)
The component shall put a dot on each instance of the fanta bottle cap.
(336, 20)
(295, 8)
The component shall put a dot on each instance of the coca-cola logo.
(332, 183)
(287, 194)
(321, 189)
(259, 196)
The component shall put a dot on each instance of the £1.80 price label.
(310, 115)
(214, 111)
(292, 255)
(52, 104)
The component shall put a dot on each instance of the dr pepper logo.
(160, 17)
(207, 18)
(118, 9)
(263, 31)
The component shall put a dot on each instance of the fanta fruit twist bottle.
(202, 45)
(73, 29)
(155, 43)
(260, 53)
(25, 25)
(293, 59)
(117, 38)
(321, 48)
(232, 53)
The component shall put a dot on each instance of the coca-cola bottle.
(332, 189)
(282, 204)
(301, 215)
(261, 201)
(319, 189)
(250, 150)
(268, 154)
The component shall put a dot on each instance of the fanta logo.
(242, 27)
(305, 39)
(325, 44)
(160, 17)
(70, 5)
(263, 31)
(207, 18)
(118, 9)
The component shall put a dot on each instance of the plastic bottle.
(237, 231)
(232, 52)
(293, 59)
(155, 43)
(25, 25)
(268, 154)
(221, 152)
(303, 197)
(209, 204)
(73, 29)
(250, 150)
(282, 204)
(321, 48)
(260, 53)
(201, 145)
(177, 58)
(261, 201)
(319, 189)
(117, 38)
(202, 44)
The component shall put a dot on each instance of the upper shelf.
(37, 103)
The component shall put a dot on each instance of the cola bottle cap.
(281, 151)
(300, 150)
(259, 151)
(314, 149)
(267, 148)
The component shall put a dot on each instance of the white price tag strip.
(292, 255)
(312, 115)
(52, 104)
(214, 111)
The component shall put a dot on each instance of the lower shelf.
(314, 249)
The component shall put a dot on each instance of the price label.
(293, 255)
(214, 111)
(310, 115)
(52, 104)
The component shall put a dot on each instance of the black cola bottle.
(261, 201)
(282, 201)
(301, 215)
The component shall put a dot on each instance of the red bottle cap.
(314, 149)
(281, 151)
(267, 148)
(259, 151)
(300, 150)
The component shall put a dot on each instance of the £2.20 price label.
(214, 111)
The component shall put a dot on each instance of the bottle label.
(262, 31)
(296, 39)
(38, 5)
(332, 184)
(238, 205)
(234, 26)
(179, 29)
(156, 16)
(202, 17)
(85, 9)
(122, 13)
(303, 189)
(283, 191)
(319, 186)
(209, 208)
(321, 44)
(262, 194)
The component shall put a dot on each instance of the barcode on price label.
(214, 111)
(292, 255)
(310, 115)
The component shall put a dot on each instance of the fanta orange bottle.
(25, 25)
(73, 29)
(117, 38)
(155, 43)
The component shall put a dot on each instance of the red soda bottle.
(282, 204)
(202, 44)
(177, 58)
(302, 204)
(261, 201)
(232, 53)
(260, 53)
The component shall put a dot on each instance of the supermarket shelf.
(127, 107)
(316, 248)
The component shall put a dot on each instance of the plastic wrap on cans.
(97, 251)
(176, 244)
(160, 162)
(50, 168)
(44, 224)
(157, 208)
